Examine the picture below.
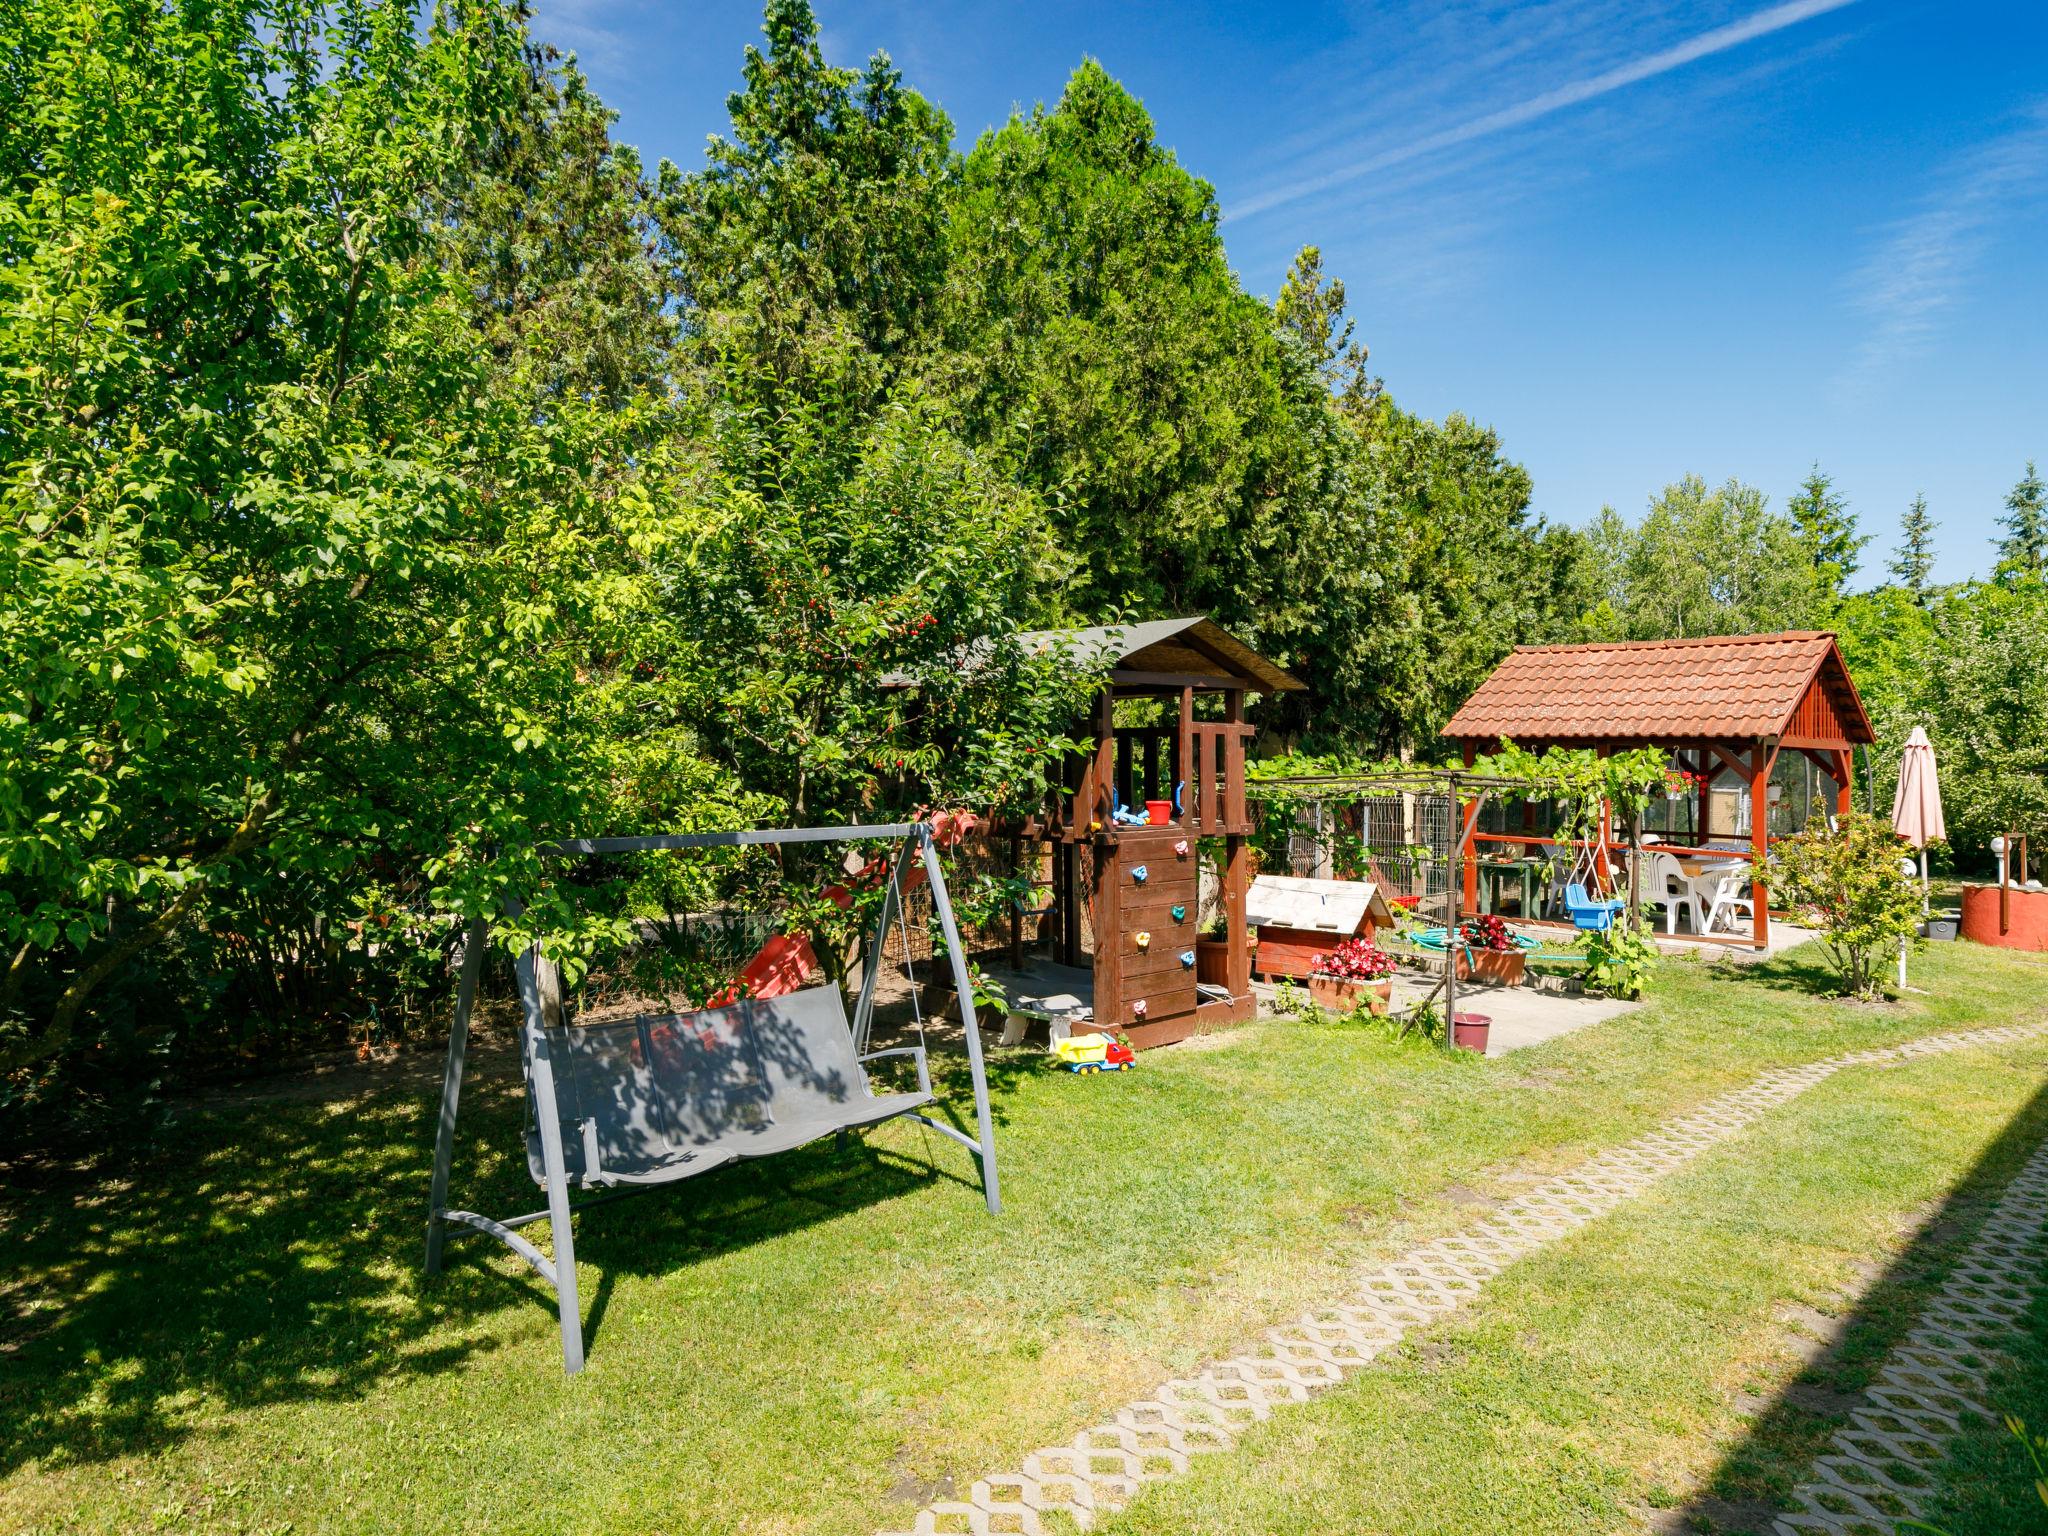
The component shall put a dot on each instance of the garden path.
(1877, 1471)
(1155, 1437)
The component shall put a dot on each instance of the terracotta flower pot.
(1496, 967)
(1340, 996)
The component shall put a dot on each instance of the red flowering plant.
(1679, 782)
(1487, 932)
(1355, 960)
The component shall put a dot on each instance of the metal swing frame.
(536, 976)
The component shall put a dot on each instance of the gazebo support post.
(1703, 795)
(1759, 844)
(1605, 831)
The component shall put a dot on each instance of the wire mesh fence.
(1404, 841)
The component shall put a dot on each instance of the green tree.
(574, 276)
(849, 619)
(2023, 552)
(1913, 565)
(1096, 340)
(1984, 697)
(813, 241)
(1312, 307)
(1827, 532)
(301, 589)
(1701, 562)
(1461, 561)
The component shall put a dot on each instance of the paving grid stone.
(1157, 1437)
(1879, 1467)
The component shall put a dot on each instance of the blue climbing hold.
(1180, 914)
(1138, 874)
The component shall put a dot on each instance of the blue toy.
(1125, 818)
(1588, 915)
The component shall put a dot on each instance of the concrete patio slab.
(1522, 1016)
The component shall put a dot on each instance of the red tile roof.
(1719, 688)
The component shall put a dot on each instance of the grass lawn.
(226, 1330)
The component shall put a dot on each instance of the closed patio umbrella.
(1916, 808)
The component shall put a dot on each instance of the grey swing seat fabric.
(632, 1104)
(652, 1099)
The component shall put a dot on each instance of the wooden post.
(1016, 907)
(1604, 832)
(1467, 871)
(1104, 772)
(1703, 797)
(1184, 759)
(1845, 778)
(1109, 935)
(2005, 886)
(1067, 871)
(1236, 855)
(1759, 832)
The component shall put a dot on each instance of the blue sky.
(1640, 239)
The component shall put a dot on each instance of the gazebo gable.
(1830, 712)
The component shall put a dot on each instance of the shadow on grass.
(1804, 971)
(272, 1254)
(1753, 1484)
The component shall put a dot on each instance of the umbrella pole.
(1926, 906)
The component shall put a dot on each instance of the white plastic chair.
(1725, 891)
(1668, 888)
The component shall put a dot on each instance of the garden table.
(1533, 875)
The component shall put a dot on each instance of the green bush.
(1848, 882)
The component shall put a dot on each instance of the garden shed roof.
(1791, 686)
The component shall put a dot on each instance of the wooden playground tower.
(1140, 885)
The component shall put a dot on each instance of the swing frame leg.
(541, 1081)
(963, 989)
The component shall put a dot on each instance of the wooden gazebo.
(1730, 703)
(1140, 885)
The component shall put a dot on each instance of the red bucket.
(1468, 1031)
(1159, 812)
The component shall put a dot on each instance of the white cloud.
(1923, 265)
(1544, 103)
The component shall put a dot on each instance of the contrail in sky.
(1719, 40)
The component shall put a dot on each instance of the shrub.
(1849, 883)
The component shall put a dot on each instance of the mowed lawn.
(226, 1330)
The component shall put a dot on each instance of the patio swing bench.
(625, 1105)
(649, 1100)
